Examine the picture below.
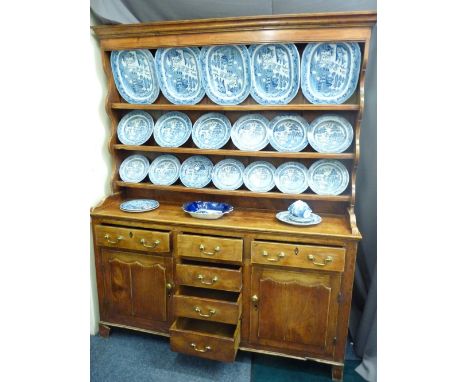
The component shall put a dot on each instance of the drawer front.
(207, 309)
(209, 277)
(129, 238)
(206, 247)
(302, 256)
(205, 345)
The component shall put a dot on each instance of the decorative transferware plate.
(164, 170)
(179, 74)
(251, 132)
(226, 73)
(275, 72)
(211, 131)
(172, 129)
(196, 171)
(259, 176)
(330, 134)
(287, 218)
(139, 205)
(330, 71)
(207, 210)
(328, 177)
(288, 133)
(291, 178)
(227, 174)
(135, 128)
(135, 75)
(134, 168)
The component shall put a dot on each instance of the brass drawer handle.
(327, 260)
(211, 312)
(278, 257)
(213, 280)
(154, 245)
(107, 237)
(194, 345)
(216, 249)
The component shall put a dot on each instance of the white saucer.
(285, 217)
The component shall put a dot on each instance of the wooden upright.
(246, 281)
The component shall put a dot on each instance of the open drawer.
(205, 339)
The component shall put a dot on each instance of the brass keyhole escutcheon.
(296, 251)
(130, 234)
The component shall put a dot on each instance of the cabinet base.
(104, 330)
(337, 373)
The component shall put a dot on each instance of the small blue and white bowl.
(207, 210)
(300, 210)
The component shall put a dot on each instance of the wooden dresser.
(245, 281)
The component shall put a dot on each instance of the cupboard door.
(136, 289)
(294, 310)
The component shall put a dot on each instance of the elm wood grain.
(209, 277)
(231, 153)
(205, 339)
(239, 193)
(212, 248)
(299, 256)
(294, 309)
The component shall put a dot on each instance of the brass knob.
(169, 286)
(254, 299)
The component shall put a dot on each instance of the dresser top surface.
(264, 221)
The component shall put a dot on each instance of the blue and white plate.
(211, 131)
(207, 210)
(196, 171)
(275, 72)
(227, 174)
(288, 133)
(134, 168)
(259, 176)
(328, 177)
(135, 128)
(330, 71)
(330, 134)
(139, 205)
(164, 170)
(135, 75)
(179, 74)
(251, 132)
(172, 129)
(291, 178)
(226, 73)
(287, 218)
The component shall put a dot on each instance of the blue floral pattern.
(328, 177)
(134, 168)
(172, 129)
(196, 171)
(164, 170)
(291, 178)
(135, 128)
(330, 134)
(139, 205)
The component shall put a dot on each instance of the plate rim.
(337, 118)
(325, 161)
(292, 163)
(216, 167)
(302, 121)
(280, 214)
(249, 168)
(293, 51)
(160, 73)
(132, 157)
(236, 126)
(157, 126)
(202, 119)
(192, 158)
(120, 88)
(124, 121)
(230, 206)
(133, 200)
(161, 157)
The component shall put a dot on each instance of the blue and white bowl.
(207, 210)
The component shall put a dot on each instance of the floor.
(133, 356)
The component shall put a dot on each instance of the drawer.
(302, 256)
(209, 277)
(129, 238)
(209, 247)
(205, 339)
(209, 305)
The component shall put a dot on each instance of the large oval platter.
(139, 205)
(259, 176)
(134, 168)
(172, 129)
(328, 177)
(275, 72)
(251, 132)
(211, 131)
(330, 134)
(288, 133)
(227, 174)
(330, 72)
(164, 170)
(179, 74)
(135, 128)
(291, 178)
(135, 75)
(226, 73)
(196, 171)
